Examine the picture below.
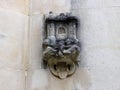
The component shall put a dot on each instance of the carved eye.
(55, 66)
(69, 67)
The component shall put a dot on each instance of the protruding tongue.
(62, 75)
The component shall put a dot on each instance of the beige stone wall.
(13, 28)
(100, 38)
(21, 28)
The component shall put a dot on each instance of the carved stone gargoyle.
(60, 45)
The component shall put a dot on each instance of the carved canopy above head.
(61, 18)
(61, 26)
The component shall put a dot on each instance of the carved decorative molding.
(60, 45)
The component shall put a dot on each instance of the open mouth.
(62, 69)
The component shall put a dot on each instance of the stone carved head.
(61, 46)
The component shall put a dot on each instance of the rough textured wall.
(100, 37)
(13, 28)
(21, 28)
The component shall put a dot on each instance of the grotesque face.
(61, 46)
(61, 68)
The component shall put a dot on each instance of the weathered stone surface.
(15, 5)
(45, 6)
(21, 45)
(96, 4)
(37, 80)
(12, 79)
(12, 28)
(41, 79)
(36, 33)
(103, 68)
(99, 27)
(99, 35)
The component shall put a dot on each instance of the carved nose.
(62, 64)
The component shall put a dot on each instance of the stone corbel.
(61, 47)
